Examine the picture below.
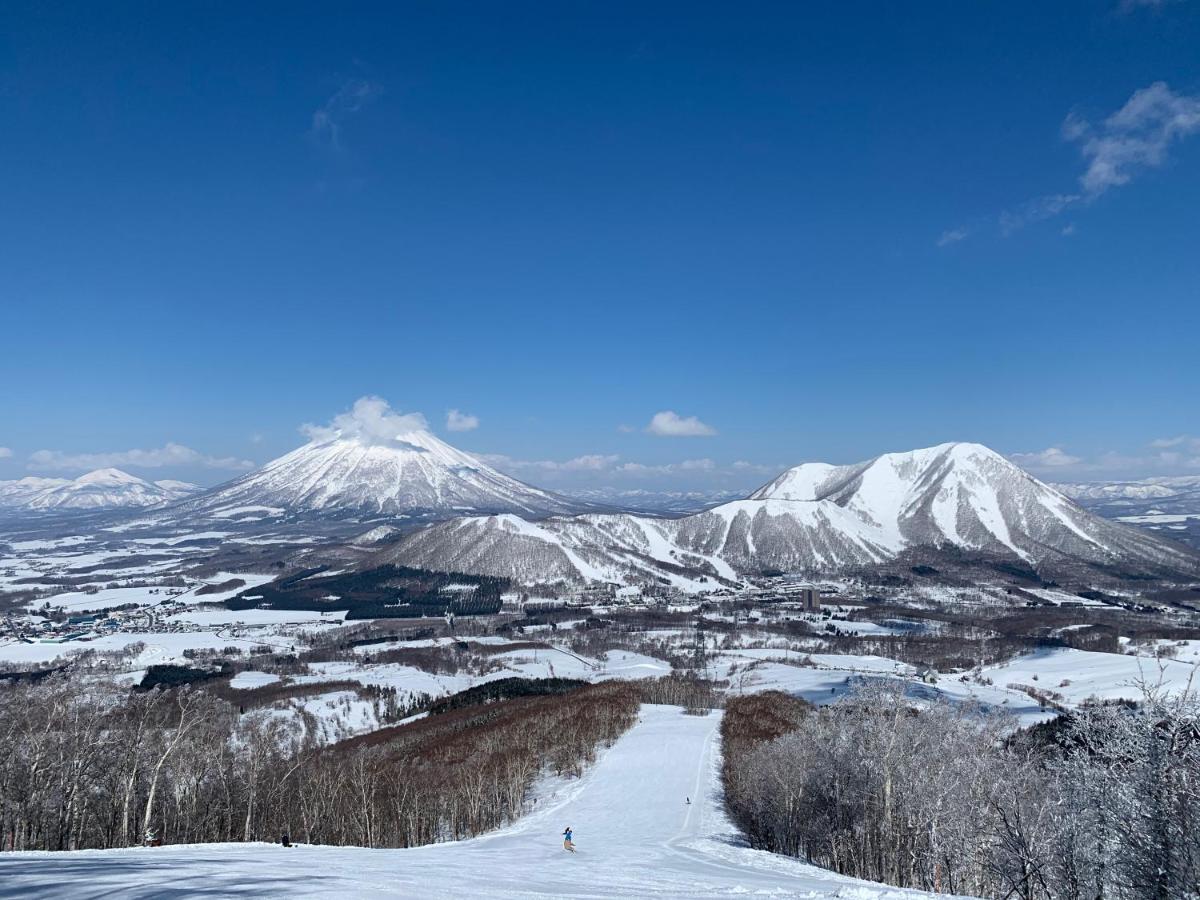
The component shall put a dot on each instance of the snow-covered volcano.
(814, 518)
(411, 473)
(101, 489)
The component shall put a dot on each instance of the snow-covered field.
(1071, 677)
(637, 836)
(1079, 675)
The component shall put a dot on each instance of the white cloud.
(5, 453)
(1050, 458)
(1068, 229)
(626, 429)
(671, 424)
(592, 462)
(1037, 210)
(688, 466)
(460, 421)
(170, 454)
(1182, 441)
(1135, 137)
(585, 468)
(370, 421)
(353, 95)
(1131, 5)
(742, 465)
(1178, 455)
(952, 236)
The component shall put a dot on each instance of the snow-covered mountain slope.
(101, 489)
(20, 492)
(815, 518)
(635, 831)
(413, 474)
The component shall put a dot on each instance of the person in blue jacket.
(568, 844)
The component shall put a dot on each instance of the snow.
(814, 518)
(377, 474)
(106, 598)
(551, 662)
(218, 615)
(247, 680)
(101, 489)
(239, 511)
(181, 538)
(1159, 518)
(160, 647)
(1079, 675)
(636, 837)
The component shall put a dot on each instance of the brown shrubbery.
(454, 775)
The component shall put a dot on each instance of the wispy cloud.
(591, 462)
(589, 467)
(750, 468)
(1135, 137)
(170, 454)
(370, 421)
(1037, 210)
(1050, 458)
(1131, 5)
(952, 236)
(5, 453)
(671, 424)
(460, 421)
(1115, 150)
(1183, 443)
(329, 118)
(687, 466)
(1179, 455)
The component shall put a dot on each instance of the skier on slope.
(568, 844)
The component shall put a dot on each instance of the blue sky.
(822, 231)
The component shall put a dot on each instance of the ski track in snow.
(636, 837)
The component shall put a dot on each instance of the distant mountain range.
(101, 489)
(451, 511)
(952, 499)
(666, 503)
(1168, 505)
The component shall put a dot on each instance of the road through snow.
(636, 836)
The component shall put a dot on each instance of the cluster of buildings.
(808, 596)
(41, 627)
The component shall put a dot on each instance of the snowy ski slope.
(636, 837)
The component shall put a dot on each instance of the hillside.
(815, 518)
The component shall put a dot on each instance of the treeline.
(1104, 803)
(396, 592)
(90, 765)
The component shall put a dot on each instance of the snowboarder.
(687, 800)
(568, 844)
